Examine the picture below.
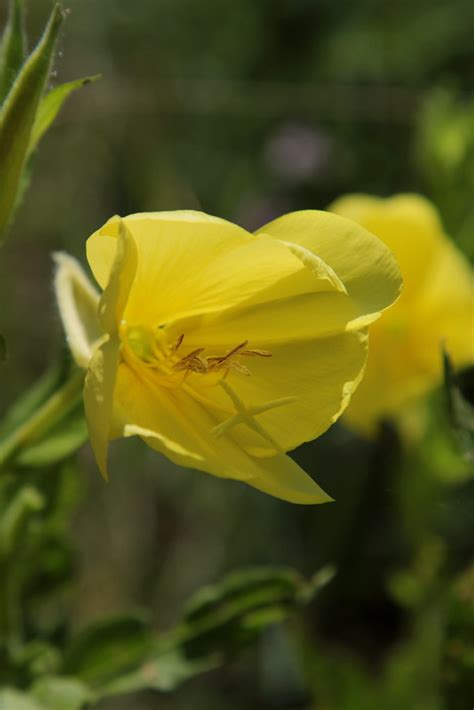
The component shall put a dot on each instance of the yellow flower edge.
(224, 349)
(436, 309)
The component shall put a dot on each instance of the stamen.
(153, 352)
(193, 362)
(176, 345)
(192, 354)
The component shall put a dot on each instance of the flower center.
(154, 350)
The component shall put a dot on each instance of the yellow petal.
(362, 262)
(304, 317)
(101, 375)
(283, 478)
(191, 264)
(408, 224)
(174, 423)
(77, 301)
(447, 303)
(436, 307)
(317, 378)
(121, 277)
(99, 398)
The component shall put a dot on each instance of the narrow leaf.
(38, 425)
(34, 397)
(51, 105)
(18, 115)
(12, 51)
(60, 442)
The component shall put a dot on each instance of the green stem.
(55, 408)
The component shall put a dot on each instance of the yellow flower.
(436, 308)
(220, 348)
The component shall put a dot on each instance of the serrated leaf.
(57, 693)
(108, 648)
(18, 115)
(12, 51)
(51, 105)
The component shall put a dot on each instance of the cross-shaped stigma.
(246, 415)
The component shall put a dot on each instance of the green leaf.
(12, 51)
(11, 699)
(108, 648)
(48, 417)
(51, 104)
(56, 693)
(34, 397)
(224, 617)
(218, 622)
(61, 441)
(3, 348)
(18, 115)
(165, 672)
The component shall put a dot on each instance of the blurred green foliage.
(246, 111)
(25, 113)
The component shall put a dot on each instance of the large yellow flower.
(436, 308)
(220, 348)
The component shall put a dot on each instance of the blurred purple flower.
(296, 152)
